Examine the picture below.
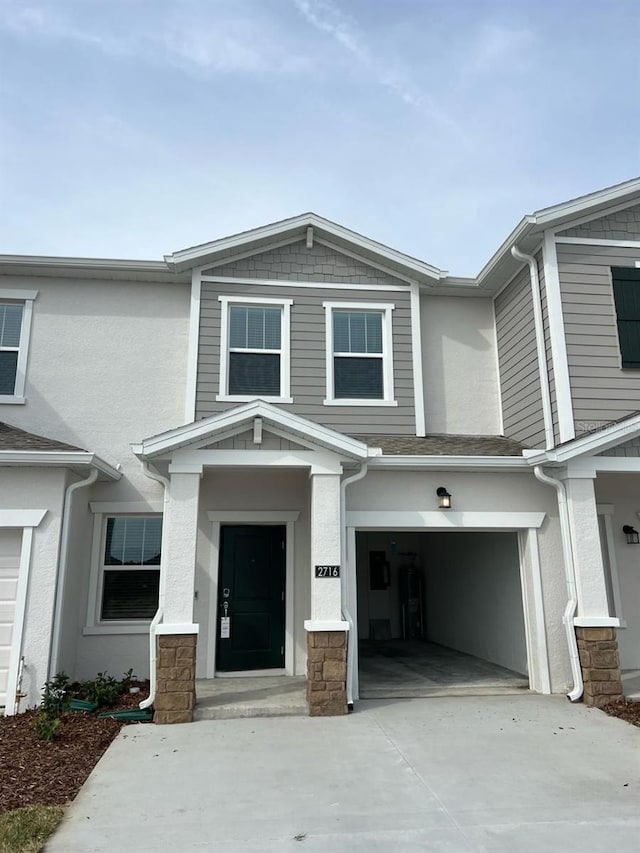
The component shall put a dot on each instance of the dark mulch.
(629, 711)
(37, 772)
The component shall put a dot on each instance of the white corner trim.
(536, 633)
(21, 517)
(558, 340)
(442, 519)
(319, 625)
(596, 622)
(178, 628)
(497, 363)
(193, 348)
(607, 516)
(128, 507)
(254, 516)
(416, 358)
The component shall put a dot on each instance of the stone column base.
(327, 673)
(176, 678)
(598, 649)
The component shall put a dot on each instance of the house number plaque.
(327, 571)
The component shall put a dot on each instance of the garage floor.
(415, 669)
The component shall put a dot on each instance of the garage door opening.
(439, 614)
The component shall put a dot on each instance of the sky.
(134, 128)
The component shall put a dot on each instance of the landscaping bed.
(37, 772)
(624, 710)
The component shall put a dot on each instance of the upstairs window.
(131, 568)
(255, 349)
(359, 354)
(15, 323)
(626, 293)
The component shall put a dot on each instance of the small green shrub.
(104, 690)
(55, 695)
(127, 678)
(45, 726)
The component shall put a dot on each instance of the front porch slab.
(260, 696)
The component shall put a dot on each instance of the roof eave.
(60, 459)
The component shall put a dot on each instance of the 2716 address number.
(327, 571)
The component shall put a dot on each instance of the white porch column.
(179, 541)
(587, 553)
(325, 547)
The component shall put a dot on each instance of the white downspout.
(148, 702)
(540, 345)
(570, 573)
(344, 580)
(62, 568)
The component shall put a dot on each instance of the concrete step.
(407, 692)
(230, 712)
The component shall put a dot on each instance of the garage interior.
(439, 613)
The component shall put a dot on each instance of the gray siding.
(298, 263)
(308, 362)
(624, 225)
(601, 390)
(629, 449)
(518, 363)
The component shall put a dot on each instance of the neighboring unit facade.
(229, 461)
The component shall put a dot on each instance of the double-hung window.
(359, 354)
(15, 322)
(254, 358)
(130, 568)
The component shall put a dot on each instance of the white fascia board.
(60, 459)
(589, 444)
(609, 195)
(450, 463)
(208, 428)
(83, 263)
(277, 229)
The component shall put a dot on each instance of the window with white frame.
(359, 354)
(254, 358)
(15, 322)
(130, 568)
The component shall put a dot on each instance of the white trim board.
(217, 518)
(191, 381)
(21, 517)
(305, 285)
(594, 241)
(442, 520)
(416, 357)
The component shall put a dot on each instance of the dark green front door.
(251, 598)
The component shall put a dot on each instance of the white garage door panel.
(10, 542)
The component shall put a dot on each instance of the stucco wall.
(459, 366)
(37, 488)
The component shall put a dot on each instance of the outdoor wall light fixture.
(633, 537)
(444, 498)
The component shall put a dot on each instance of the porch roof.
(443, 445)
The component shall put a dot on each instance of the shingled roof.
(444, 445)
(12, 438)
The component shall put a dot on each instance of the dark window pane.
(130, 594)
(254, 327)
(8, 365)
(237, 326)
(10, 325)
(133, 542)
(358, 378)
(254, 373)
(626, 291)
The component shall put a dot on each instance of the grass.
(26, 830)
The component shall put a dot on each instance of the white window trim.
(285, 349)
(94, 624)
(386, 309)
(26, 297)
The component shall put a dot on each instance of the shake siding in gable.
(308, 335)
(518, 363)
(601, 390)
(623, 225)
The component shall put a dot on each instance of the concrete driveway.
(501, 773)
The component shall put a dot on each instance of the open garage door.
(440, 613)
(10, 544)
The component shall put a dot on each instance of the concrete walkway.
(501, 773)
